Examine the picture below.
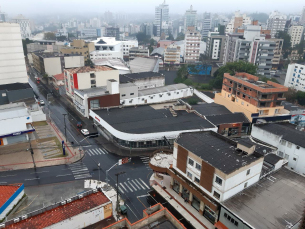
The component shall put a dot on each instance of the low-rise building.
(144, 80)
(88, 77)
(297, 113)
(58, 80)
(11, 194)
(78, 46)
(256, 99)
(16, 92)
(140, 51)
(295, 76)
(287, 138)
(78, 211)
(148, 126)
(141, 64)
(118, 64)
(172, 55)
(16, 123)
(54, 63)
(51, 46)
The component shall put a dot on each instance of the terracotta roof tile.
(6, 191)
(59, 76)
(83, 69)
(63, 212)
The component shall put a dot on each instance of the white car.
(85, 132)
(41, 102)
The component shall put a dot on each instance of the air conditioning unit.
(69, 200)
(94, 190)
(16, 220)
(24, 217)
(80, 196)
(63, 202)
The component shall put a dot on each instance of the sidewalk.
(15, 157)
(186, 210)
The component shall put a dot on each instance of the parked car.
(85, 132)
(41, 102)
(79, 124)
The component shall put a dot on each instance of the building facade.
(79, 47)
(12, 63)
(113, 32)
(140, 51)
(192, 42)
(206, 24)
(276, 22)
(295, 77)
(25, 26)
(161, 19)
(277, 52)
(172, 55)
(296, 34)
(190, 18)
(237, 21)
(216, 46)
(256, 99)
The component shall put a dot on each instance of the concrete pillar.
(201, 208)
(172, 183)
(190, 198)
(180, 190)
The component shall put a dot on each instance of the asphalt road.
(133, 184)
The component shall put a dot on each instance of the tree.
(61, 38)
(170, 37)
(232, 68)
(24, 43)
(152, 42)
(291, 95)
(265, 79)
(142, 37)
(301, 97)
(49, 36)
(286, 44)
(89, 62)
(180, 37)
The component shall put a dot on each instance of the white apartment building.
(12, 64)
(192, 43)
(295, 77)
(161, 19)
(276, 22)
(190, 18)
(296, 34)
(288, 140)
(172, 54)
(25, 26)
(237, 21)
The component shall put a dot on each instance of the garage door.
(15, 139)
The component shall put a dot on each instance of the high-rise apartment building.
(295, 77)
(192, 42)
(276, 22)
(215, 46)
(161, 19)
(302, 19)
(113, 32)
(25, 26)
(172, 55)
(190, 18)
(12, 64)
(251, 47)
(2, 16)
(237, 21)
(206, 25)
(296, 34)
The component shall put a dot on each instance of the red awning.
(220, 225)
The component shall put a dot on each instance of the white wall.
(204, 97)
(294, 75)
(286, 150)
(38, 116)
(151, 83)
(14, 202)
(12, 64)
(52, 66)
(82, 220)
(13, 125)
(74, 61)
(103, 76)
(155, 98)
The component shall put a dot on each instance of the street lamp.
(99, 169)
(117, 190)
(65, 126)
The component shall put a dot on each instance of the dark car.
(79, 124)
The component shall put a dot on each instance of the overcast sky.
(27, 7)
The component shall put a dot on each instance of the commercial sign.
(17, 133)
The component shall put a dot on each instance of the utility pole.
(117, 190)
(32, 153)
(65, 126)
(99, 169)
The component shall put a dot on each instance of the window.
(289, 145)
(248, 172)
(3, 94)
(94, 103)
(191, 162)
(197, 180)
(295, 159)
(246, 185)
(283, 142)
(216, 194)
(286, 156)
(198, 166)
(218, 180)
(131, 93)
(298, 147)
(189, 175)
(123, 95)
(281, 154)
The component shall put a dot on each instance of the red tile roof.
(59, 76)
(62, 212)
(6, 191)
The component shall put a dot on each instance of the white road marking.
(132, 211)
(132, 185)
(121, 190)
(128, 187)
(89, 153)
(136, 184)
(96, 152)
(9, 175)
(3, 182)
(143, 196)
(139, 184)
(37, 178)
(64, 175)
(143, 183)
(40, 172)
(101, 150)
(123, 187)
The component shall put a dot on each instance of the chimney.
(245, 147)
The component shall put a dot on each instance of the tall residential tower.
(190, 18)
(161, 18)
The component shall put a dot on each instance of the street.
(133, 183)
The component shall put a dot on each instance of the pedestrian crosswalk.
(96, 151)
(133, 185)
(79, 170)
(145, 159)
